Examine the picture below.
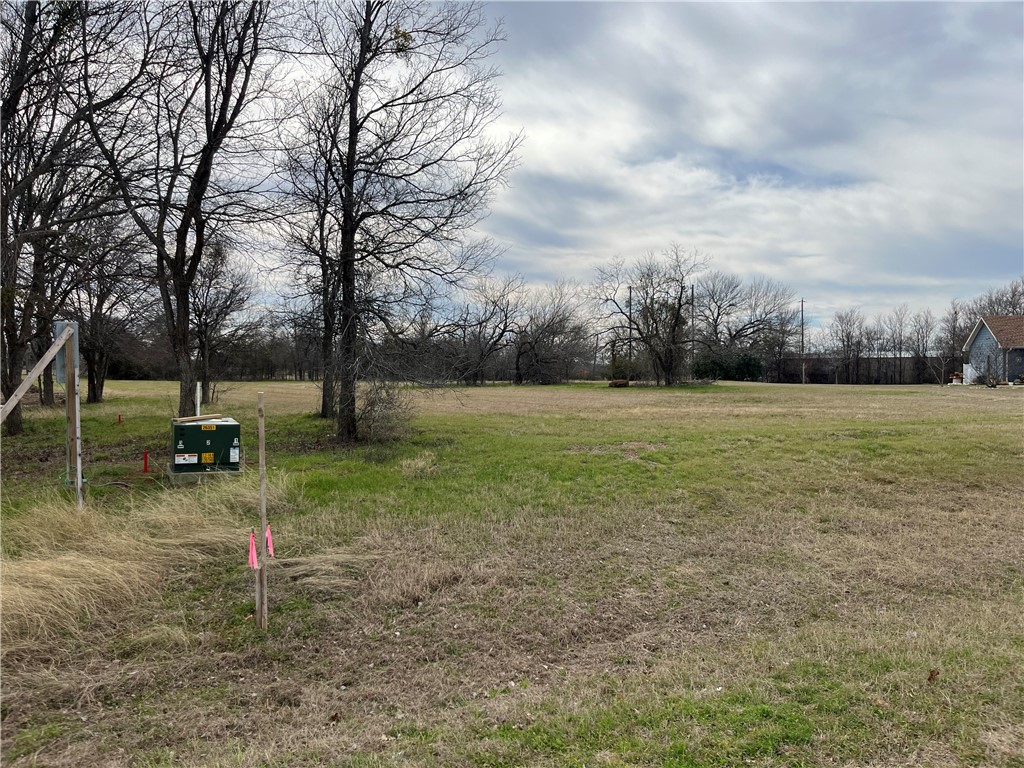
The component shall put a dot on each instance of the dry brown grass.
(423, 465)
(66, 570)
(326, 574)
(283, 396)
(758, 401)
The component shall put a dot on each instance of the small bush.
(384, 412)
(989, 379)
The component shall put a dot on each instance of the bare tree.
(453, 338)
(875, 347)
(177, 153)
(895, 324)
(730, 313)
(109, 301)
(820, 346)
(648, 302)
(721, 298)
(920, 342)
(951, 336)
(732, 318)
(51, 183)
(485, 325)
(299, 330)
(847, 336)
(551, 336)
(1008, 300)
(767, 304)
(313, 226)
(422, 346)
(395, 164)
(222, 289)
(779, 339)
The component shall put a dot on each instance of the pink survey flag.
(253, 562)
(270, 541)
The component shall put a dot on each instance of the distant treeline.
(726, 329)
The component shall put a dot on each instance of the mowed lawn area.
(729, 575)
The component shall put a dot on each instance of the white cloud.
(861, 152)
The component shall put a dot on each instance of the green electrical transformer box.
(210, 444)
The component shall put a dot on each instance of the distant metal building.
(995, 345)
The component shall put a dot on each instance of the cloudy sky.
(867, 154)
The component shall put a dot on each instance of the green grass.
(33, 738)
(728, 729)
(561, 576)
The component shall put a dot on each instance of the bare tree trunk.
(94, 376)
(46, 398)
(11, 376)
(347, 425)
(328, 393)
(186, 389)
(14, 346)
(348, 429)
(205, 377)
(179, 332)
(519, 378)
(41, 343)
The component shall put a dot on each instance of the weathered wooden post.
(67, 367)
(72, 397)
(261, 570)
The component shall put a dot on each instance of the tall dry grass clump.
(62, 570)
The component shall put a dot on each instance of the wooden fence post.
(261, 571)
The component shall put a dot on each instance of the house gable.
(996, 344)
(1006, 330)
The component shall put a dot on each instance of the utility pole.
(803, 364)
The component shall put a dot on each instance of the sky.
(866, 154)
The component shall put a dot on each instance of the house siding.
(985, 354)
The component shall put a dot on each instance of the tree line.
(901, 346)
(147, 148)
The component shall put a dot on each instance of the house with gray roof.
(995, 345)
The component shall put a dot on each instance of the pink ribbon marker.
(270, 542)
(253, 562)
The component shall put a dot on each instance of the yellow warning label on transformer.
(206, 427)
(207, 458)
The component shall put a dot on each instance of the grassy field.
(729, 575)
